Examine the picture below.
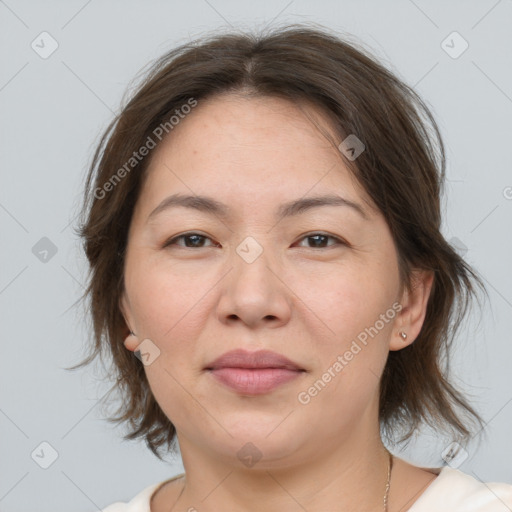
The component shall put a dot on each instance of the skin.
(305, 300)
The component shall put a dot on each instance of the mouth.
(253, 373)
(255, 381)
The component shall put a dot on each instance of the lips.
(260, 359)
(253, 373)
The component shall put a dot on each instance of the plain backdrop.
(54, 106)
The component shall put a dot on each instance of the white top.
(451, 491)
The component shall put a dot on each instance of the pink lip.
(253, 373)
(254, 382)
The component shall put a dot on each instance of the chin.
(267, 441)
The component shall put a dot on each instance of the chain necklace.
(386, 493)
(388, 484)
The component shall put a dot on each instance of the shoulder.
(141, 502)
(455, 491)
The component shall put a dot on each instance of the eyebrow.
(213, 207)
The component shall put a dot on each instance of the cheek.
(168, 300)
(176, 396)
(352, 354)
(336, 407)
(172, 309)
(344, 301)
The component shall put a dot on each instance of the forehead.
(248, 149)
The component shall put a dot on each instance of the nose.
(254, 294)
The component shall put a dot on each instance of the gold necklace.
(386, 493)
(388, 485)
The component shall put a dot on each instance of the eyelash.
(172, 241)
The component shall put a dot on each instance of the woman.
(263, 230)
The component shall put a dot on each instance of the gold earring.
(403, 335)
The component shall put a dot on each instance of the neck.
(348, 476)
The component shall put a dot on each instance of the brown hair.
(402, 169)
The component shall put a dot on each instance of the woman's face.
(319, 285)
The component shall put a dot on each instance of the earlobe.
(400, 339)
(414, 308)
(131, 342)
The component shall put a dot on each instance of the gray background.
(53, 110)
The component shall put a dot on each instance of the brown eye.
(320, 240)
(191, 241)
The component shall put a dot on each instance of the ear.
(414, 308)
(131, 341)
